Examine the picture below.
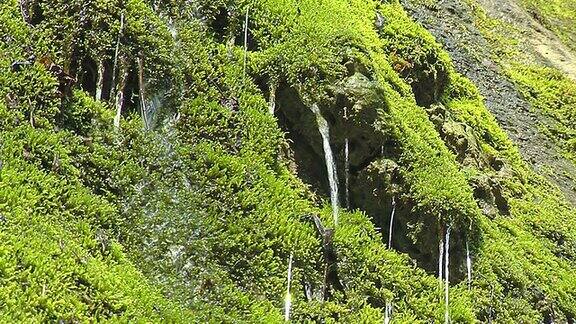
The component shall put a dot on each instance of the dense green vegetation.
(195, 219)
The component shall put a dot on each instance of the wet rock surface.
(543, 44)
(451, 23)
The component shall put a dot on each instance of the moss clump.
(59, 260)
(414, 55)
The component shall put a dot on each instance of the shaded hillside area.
(521, 67)
(265, 160)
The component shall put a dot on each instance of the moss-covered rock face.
(156, 165)
(459, 137)
(352, 116)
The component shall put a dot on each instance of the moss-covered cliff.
(162, 162)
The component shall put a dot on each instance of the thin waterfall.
(288, 299)
(142, 93)
(440, 260)
(100, 81)
(347, 170)
(330, 164)
(347, 163)
(245, 44)
(446, 274)
(172, 28)
(468, 266)
(388, 312)
(154, 104)
(116, 54)
(391, 222)
(272, 101)
(386, 315)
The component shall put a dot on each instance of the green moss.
(413, 53)
(554, 94)
(536, 208)
(196, 220)
(559, 16)
(54, 264)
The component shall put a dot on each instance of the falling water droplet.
(347, 170)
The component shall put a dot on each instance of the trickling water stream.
(446, 273)
(347, 170)
(391, 222)
(245, 44)
(172, 28)
(468, 266)
(388, 313)
(272, 100)
(440, 260)
(347, 163)
(288, 298)
(329, 157)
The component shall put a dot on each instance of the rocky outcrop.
(458, 137)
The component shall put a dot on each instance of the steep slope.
(167, 130)
(483, 49)
(545, 27)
